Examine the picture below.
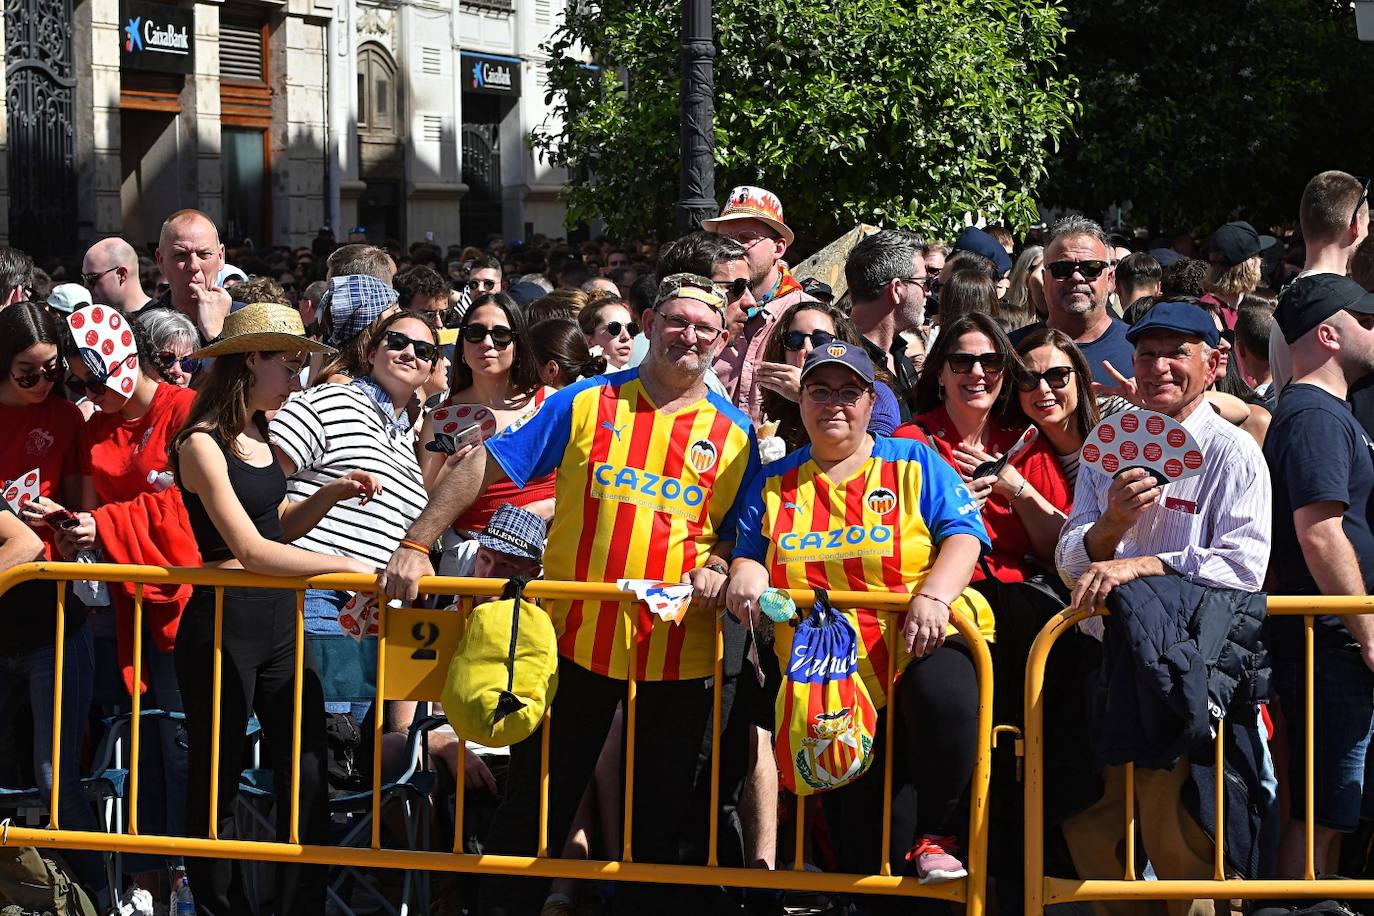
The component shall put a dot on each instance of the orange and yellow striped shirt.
(641, 494)
(878, 530)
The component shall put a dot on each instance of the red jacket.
(150, 530)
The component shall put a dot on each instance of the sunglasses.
(1056, 377)
(501, 337)
(169, 360)
(1364, 196)
(423, 349)
(962, 363)
(924, 283)
(92, 279)
(1364, 321)
(613, 328)
(52, 373)
(1091, 270)
(734, 289)
(82, 388)
(795, 340)
(486, 285)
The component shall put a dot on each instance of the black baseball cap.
(1235, 243)
(1312, 299)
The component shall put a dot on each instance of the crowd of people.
(700, 414)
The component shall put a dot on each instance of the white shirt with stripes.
(330, 430)
(1213, 529)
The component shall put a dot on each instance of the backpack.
(826, 720)
(343, 743)
(505, 671)
(31, 884)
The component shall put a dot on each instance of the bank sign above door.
(491, 75)
(156, 37)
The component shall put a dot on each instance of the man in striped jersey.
(651, 467)
(1213, 529)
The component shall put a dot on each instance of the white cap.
(68, 297)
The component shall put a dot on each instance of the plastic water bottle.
(183, 904)
(160, 480)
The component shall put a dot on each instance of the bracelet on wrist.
(415, 546)
(1019, 490)
(947, 605)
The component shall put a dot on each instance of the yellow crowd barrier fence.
(1043, 890)
(413, 649)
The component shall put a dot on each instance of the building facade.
(276, 118)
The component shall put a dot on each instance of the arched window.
(378, 93)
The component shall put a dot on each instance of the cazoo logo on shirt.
(836, 544)
(650, 490)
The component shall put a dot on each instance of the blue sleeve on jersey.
(947, 506)
(537, 447)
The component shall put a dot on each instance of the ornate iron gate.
(480, 215)
(40, 90)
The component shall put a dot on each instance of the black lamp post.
(697, 179)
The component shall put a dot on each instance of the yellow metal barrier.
(413, 649)
(1043, 890)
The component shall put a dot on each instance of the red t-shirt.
(124, 452)
(1012, 557)
(46, 436)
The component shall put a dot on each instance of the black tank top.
(260, 490)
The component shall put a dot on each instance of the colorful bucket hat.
(749, 202)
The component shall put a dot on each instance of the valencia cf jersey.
(641, 494)
(878, 530)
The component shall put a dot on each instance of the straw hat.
(261, 327)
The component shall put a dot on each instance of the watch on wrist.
(718, 565)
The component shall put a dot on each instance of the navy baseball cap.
(1165, 256)
(1180, 317)
(1312, 299)
(839, 353)
(979, 242)
(1235, 243)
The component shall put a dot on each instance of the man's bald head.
(184, 219)
(111, 252)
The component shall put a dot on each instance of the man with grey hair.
(887, 279)
(190, 256)
(110, 272)
(1079, 277)
(16, 275)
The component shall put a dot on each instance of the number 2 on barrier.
(419, 645)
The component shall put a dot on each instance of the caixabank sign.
(491, 75)
(156, 37)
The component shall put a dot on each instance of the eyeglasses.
(795, 340)
(82, 388)
(1056, 377)
(29, 379)
(676, 324)
(92, 279)
(925, 283)
(501, 337)
(1364, 196)
(962, 363)
(423, 349)
(750, 239)
(734, 289)
(169, 360)
(484, 285)
(613, 328)
(1091, 270)
(844, 397)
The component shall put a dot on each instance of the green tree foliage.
(1200, 111)
(902, 112)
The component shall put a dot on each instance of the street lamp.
(696, 101)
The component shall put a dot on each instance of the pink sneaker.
(933, 863)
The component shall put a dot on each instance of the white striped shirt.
(330, 430)
(1213, 529)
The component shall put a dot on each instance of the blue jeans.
(1344, 707)
(348, 669)
(28, 680)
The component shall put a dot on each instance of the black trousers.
(936, 734)
(669, 721)
(259, 657)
